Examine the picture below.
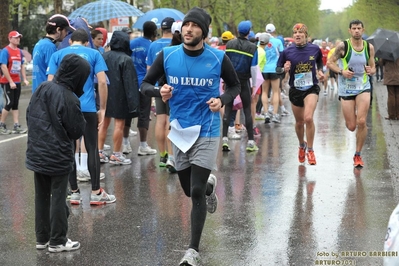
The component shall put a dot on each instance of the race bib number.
(15, 67)
(303, 80)
(353, 85)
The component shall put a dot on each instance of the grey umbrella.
(386, 44)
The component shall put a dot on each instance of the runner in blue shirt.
(139, 47)
(193, 71)
(162, 109)
(79, 40)
(57, 28)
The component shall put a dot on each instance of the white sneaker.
(284, 112)
(126, 149)
(191, 257)
(271, 109)
(146, 151)
(132, 133)
(103, 198)
(283, 96)
(234, 136)
(106, 147)
(212, 200)
(276, 118)
(119, 159)
(259, 117)
(68, 246)
(84, 176)
(232, 133)
(170, 164)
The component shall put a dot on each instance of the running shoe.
(257, 132)
(311, 158)
(68, 246)
(276, 118)
(75, 199)
(41, 246)
(284, 112)
(267, 118)
(251, 146)
(132, 133)
(84, 175)
(259, 117)
(325, 93)
(302, 153)
(19, 130)
(191, 258)
(239, 128)
(126, 148)
(146, 151)
(357, 161)
(119, 159)
(103, 157)
(232, 133)
(170, 164)
(101, 199)
(163, 160)
(225, 145)
(212, 200)
(4, 130)
(270, 110)
(106, 147)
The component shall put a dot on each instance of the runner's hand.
(166, 92)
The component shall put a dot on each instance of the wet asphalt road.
(272, 210)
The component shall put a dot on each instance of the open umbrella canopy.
(157, 15)
(386, 44)
(104, 10)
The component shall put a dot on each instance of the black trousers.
(245, 95)
(93, 160)
(51, 210)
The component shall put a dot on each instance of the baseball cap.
(176, 26)
(127, 30)
(167, 23)
(227, 36)
(264, 38)
(270, 28)
(14, 34)
(244, 27)
(61, 21)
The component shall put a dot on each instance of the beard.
(194, 42)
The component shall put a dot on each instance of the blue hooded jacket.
(77, 23)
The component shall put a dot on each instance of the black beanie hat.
(200, 17)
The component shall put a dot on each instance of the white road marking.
(14, 138)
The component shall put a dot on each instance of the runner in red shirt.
(11, 61)
(324, 51)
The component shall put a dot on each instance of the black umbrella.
(386, 44)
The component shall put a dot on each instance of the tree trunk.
(58, 6)
(4, 22)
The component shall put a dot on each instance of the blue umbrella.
(157, 15)
(104, 10)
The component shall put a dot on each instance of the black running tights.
(193, 180)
